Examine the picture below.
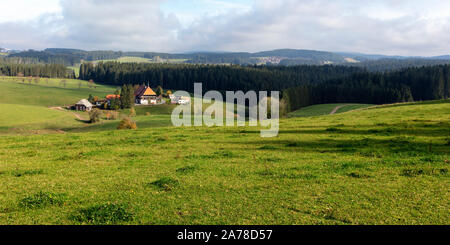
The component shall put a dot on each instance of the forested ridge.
(301, 85)
(213, 77)
(280, 57)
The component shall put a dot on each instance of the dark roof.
(144, 90)
(139, 91)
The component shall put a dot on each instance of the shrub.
(132, 112)
(127, 123)
(147, 114)
(42, 199)
(111, 115)
(95, 115)
(103, 214)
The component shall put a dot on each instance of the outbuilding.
(83, 105)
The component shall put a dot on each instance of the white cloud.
(336, 26)
(392, 27)
(26, 10)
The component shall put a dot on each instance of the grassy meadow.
(27, 107)
(379, 165)
(326, 109)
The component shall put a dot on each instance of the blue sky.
(395, 27)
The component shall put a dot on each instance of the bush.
(95, 115)
(111, 115)
(132, 112)
(127, 123)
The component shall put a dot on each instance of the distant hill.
(299, 55)
(287, 57)
(442, 57)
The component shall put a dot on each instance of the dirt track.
(336, 109)
(59, 108)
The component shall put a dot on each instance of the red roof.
(112, 96)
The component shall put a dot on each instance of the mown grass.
(387, 165)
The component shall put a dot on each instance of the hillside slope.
(326, 109)
(387, 165)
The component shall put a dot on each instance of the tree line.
(301, 85)
(213, 77)
(36, 70)
(411, 84)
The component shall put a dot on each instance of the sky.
(391, 27)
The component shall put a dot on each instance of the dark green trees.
(127, 96)
(36, 70)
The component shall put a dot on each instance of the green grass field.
(25, 107)
(326, 109)
(383, 165)
(48, 93)
(76, 69)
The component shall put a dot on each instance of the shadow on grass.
(417, 129)
(399, 145)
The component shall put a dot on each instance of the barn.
(83, 105)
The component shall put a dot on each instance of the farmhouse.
(110, 97)
(145, 95)
(83, 105)
(180, 100)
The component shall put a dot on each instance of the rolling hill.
(382, 165)
(326, 109)
(72, 57)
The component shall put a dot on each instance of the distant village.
(142, 95)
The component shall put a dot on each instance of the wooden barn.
(83, 105)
